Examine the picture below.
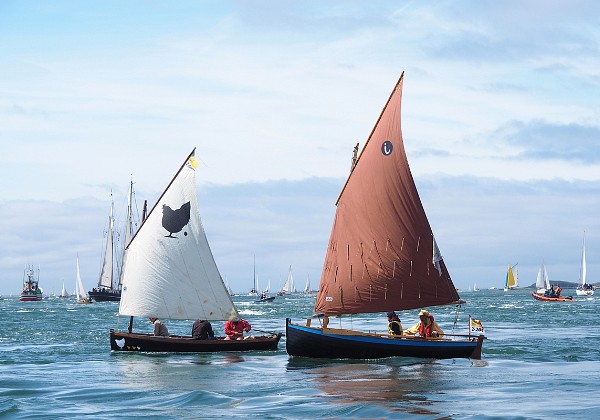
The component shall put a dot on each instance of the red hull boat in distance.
(544, 298)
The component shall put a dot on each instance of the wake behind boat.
(382, 256)
(169, 272)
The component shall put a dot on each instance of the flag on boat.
(476, 326)
(192, 162)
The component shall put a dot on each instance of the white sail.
(583, 289)
(288, 286)
(542, 283)
(169, 271)
(63, 292)
(307, 287)
(79, 289)
(106, 274)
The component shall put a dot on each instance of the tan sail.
(382, 254)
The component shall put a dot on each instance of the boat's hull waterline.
(122, 341)
(315, 342)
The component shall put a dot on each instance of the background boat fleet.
(543, 284)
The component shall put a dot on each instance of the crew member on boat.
(550, 293)
(394, 325)
(234, 329)
(160, 329)
(202, 330)
(426, 327)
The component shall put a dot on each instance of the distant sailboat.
(512, 278)
(107, 290)
(264, 296)
(82, 296)
(63, 292)
(254, 290)
(229, 288)
(583, 288)
(109, 283)
(475, 288)
(307, 287)
(542, 283)
(288, 286)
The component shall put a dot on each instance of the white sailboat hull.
(584, 292)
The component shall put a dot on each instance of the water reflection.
(405, 387)
(173, 371)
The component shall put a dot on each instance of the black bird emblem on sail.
(175, 220)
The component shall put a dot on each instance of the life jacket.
(390, 325)
(426, 330)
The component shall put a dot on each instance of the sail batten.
(379, 204)
(169, 271)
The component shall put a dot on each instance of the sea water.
(540, 360)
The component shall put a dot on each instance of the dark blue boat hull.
(312, 342)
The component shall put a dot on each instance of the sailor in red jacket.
(426, 327)
(234, 329)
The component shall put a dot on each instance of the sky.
(500, 118)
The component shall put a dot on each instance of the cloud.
(542, 140)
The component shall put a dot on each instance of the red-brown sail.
(382, 254)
